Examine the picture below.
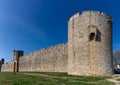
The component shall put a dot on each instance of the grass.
(47, 78)
(118, 79)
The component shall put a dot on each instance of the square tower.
(16, 55)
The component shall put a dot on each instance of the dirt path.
(44, 75)
(114, 79)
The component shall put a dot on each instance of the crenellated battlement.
(89, 45)
(74, 16)
(94, 13)
(90, 11)
(87, 53)
(46, 49)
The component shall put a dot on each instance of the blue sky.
(30, 25)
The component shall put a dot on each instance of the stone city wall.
(88, 52)
(51, 59)
(8, 67)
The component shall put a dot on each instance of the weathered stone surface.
(90, 44)
(8, 67)
(88, 52)
(51, 59)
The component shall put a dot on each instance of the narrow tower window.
(92, 36)
(93, 33)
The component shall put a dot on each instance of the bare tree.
(116, 59)
(116, 56)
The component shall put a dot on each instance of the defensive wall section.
(8, 67)
(88, 52)
(51, 59)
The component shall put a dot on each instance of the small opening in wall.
(92, 36)
(14, 68)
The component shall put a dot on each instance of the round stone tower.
(90, 44)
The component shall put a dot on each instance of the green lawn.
(50, 79)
